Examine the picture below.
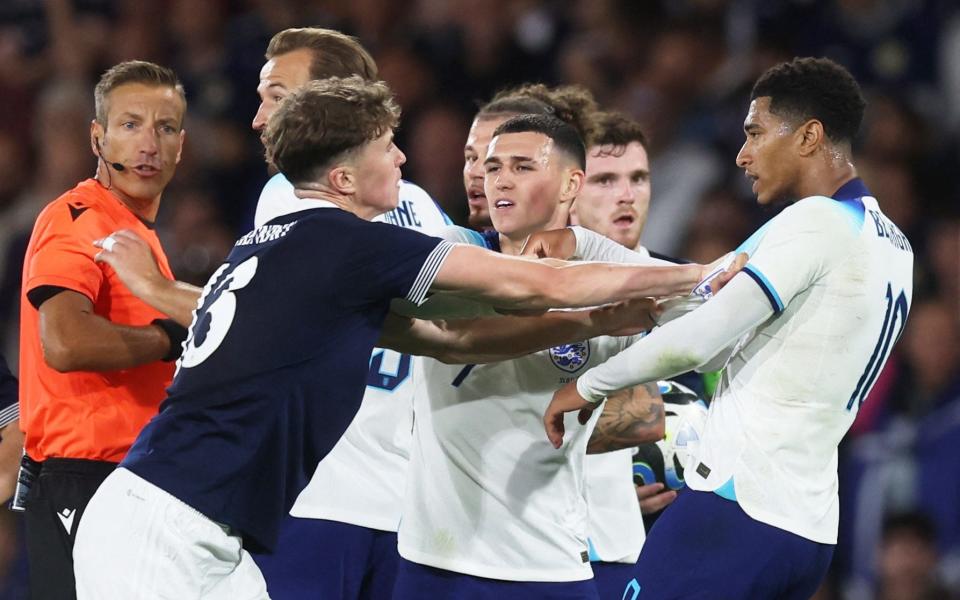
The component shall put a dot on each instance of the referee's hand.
(566, 399)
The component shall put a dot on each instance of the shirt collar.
(855, 188)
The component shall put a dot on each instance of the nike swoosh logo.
(66, 517)
(76, 211)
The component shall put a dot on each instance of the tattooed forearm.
(629, 418)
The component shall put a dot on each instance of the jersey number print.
(216, 310)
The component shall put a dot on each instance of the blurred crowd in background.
(683, 68)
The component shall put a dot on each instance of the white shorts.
(137, 541)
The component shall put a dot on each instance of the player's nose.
(743, 157)
(259, 119)
(475, 170)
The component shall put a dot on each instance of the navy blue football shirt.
(276, 363)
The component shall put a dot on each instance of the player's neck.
(512, 244)
(143, 209)
(346, 202)
(827, 175)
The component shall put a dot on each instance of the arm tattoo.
(629, 418)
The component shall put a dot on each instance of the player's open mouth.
(503, 204)
(476, 197)
(624, 220)
(145, 170)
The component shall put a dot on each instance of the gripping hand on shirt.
(136, 266)
(555, 243)
(566, 399)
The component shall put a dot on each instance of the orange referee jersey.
(85, 414)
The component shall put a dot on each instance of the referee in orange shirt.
(94, 359)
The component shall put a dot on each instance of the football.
(663, 461)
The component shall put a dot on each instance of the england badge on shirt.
(570, 357)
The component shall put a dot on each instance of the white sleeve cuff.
(684, 344)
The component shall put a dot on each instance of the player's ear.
(572, 183)
(343, 179)
(811, 136)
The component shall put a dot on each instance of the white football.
(665, 460)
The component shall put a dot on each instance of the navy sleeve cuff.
(768, 290)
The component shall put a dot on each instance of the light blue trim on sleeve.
(475, 238)
(751, 243)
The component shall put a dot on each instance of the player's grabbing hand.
(554, 243)
(132, 259)
(566, 399)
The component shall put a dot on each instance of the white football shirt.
(838, 275)
(362, 480)
(487, 494)
(616, 531)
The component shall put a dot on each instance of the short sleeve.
(798, 246)
(393, 262)
(63, 254)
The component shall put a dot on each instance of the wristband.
(177, 334)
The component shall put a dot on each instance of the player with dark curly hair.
(811, 320)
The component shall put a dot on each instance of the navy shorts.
(610, 578)
(416, 582)
(318, 559)
(705, 547)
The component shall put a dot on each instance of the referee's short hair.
(564, 136)
(814, 88)
(133, 71)
(323, 121)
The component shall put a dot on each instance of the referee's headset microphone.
(116, 166)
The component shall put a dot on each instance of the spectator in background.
(907, 560)
(943, 257)
(194, 233)
(434, 150)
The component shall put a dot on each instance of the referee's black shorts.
(54, 507)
